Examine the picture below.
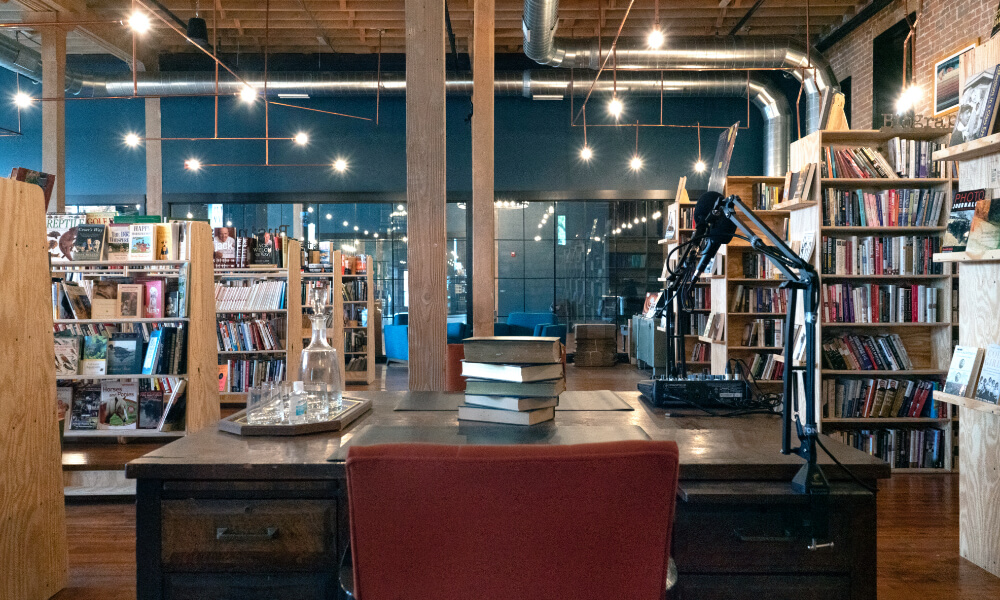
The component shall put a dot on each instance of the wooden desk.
(204, 505)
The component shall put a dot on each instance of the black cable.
(844, 467)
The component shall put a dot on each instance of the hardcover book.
(510, 402)
(130, 297)
(141, 239)
(119, 405)
(988, 386)
(510, 417)
(984, 234)
(723, 156)
(94, 360)
(962, 373)
(150, 409)
(67, 355)
(89, 243)
(78, 300)
(165, 249)
(125, 354)
(118, 242)
(46, 181)
(86, 407)
(225, 247)
(153, 299)
(963, 208)
(515, 373)
(61, 234)
(977, 111)
(101, 218)
(64, 400)
(104, 303)
(483, 387)
(513, 349)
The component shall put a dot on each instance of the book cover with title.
(141, 240)
(119, 405)
(988, 388)
(118, 242)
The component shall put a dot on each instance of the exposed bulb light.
(301, 138)
(624, 225)
(552, 210)
(700, 166)
(655, 39)
(131, 140)
(635, 163)
(23, 100)
(400, 207)
(586, 153)
(328, 216)
(355, 228)
(345, 223)
(538, 238)
(636, 220)
(366, 232)
(540, 225)
(229, 223)
(657, 215)
(630, 226)
(192, 164)
(907, 99)
(190, 216)
(643, 219)
(340, 165)
(138, 206)
(615, 107)
(139, 22)
(309, 209)
(248, 94)
(375, 235)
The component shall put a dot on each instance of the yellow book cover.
(164, 247)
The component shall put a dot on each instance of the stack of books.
(514, 380)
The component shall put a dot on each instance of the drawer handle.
(743, 537)
(224, 535)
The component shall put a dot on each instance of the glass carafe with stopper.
(320, 368)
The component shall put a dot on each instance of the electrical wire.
(846, 470)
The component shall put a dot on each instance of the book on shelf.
(880, 255)
(763, 333)
(767, 367)
(67, 354)
(248, 335)
(874, 303)
(125, 353)
(880, 398)
(759, 299)
(94, 359)
(885, 208)
(963, 209)
(141, 241)
(963, 373)
(61, 231)
(902, 448)
(239, 375)
(261, 250)
(118, 242)
(766, 195)
(119, 405)
(984, 233)
(152, 305)
(78, 300)
(701, 352)
(89, 242)
(224, 378)
(757, 266)
(513, 349)
(977, 108)
(851, 352)
(46, 181)
(64, 402)
(250, 296)
(988, 384)
(715, 327)
(807, 245)
(104, 299)
(150, 409)
(86, 407)
(857, 162)
(130, 300)
(174, 414)
(912, 158)
(545, 389)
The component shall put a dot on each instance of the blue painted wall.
(536, 149)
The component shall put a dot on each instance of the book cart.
(33, 555)
(285, 321)
(928, 344)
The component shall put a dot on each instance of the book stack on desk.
(513, 380)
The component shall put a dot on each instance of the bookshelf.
(284, 321)
(742, 277)
(333, 282)
(352, 321)
(33, 555)
(929, 345)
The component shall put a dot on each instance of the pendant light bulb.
(700, 166)
(907, 99)
(131, 140)
(615, 107)
(301, 138)
(655, 39)
(635, 163)
(192, 164)
(22, 100)
(139, 22)
(586, 153)
(248, 94)
(340, 165)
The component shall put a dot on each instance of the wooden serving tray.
(352, 409)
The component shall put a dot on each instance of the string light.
(190, 216)
(309, 209)
(192, 164)
(375, 235)
(655, 39)
(340, 165)
(355, 228)
(538, 238)
(345, 223)
(302, 138)
(23, 100)
(248, 94)
(139, 22)
(328, 216)
(131, 140)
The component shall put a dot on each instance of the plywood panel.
(425, 193)
(54, 113)
(33, 552)
(293, 354)
(202, 361)
(483, 226)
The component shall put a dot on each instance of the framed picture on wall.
(946, 82)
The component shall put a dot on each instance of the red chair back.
(588, 521)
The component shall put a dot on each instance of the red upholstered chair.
(588, 521)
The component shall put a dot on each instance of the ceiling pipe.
(548, 83)
(540, 23)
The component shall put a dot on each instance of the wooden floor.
(918, 528)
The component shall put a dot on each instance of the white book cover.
(142, 238)
(962, 372)
(988, 387)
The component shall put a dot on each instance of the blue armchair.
(531, 324)
(397, 343)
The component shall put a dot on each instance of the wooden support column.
(54, 113)
(483, 228)
(425, 193)
(154, 159)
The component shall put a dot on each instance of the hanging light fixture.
(585, 153)
(636, 162)
(699, 166)
(197, 29)
(655, 39)
(909, 94)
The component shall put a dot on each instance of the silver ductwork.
(540, 23)
(547, 83)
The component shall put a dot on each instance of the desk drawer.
(222, 586)
(775, 587)
(249, 535)
(756, 539)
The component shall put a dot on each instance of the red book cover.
(914, 303)
(866, 409)
(919, 400)
(153, 308)
(874, 305)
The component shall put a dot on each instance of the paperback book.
(86, 407)
(118, 242)
(962, 373)
(984, 234)
(67, 355)
(141, 239)
(61, 234)
(104, 300)
(977, 110)
(988, 386)
(150, 409)
(89, 243)
(153, 299)
(119, 405)
(963, 209)
(78, 300)
(130, 296)
(125, 354)
(95, 355)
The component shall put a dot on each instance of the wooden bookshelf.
(33, 555)
(335, 299)
(291, 342)
(366, 375)
(929, 345)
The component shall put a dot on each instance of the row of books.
(859, 162)
(247, 296)
(975, 373)
(881, 398)
(686, 216)
(715, 327)
(512, 380)
(355, 289)
(238, 376)
(912, 158)
(874, 303)
(701, 298)
(799, 183)
(96, 237)
(356, 363)
(114, 404)
(120, 298)
(765, 196)
(881, 255)
(319, 259)
(106, 329)
(355, 340)
(851, 352)
(260, 249)
(759, 299)
(886, 208)
(697, 323)
(355, 315)
(757, 266)
(701, 352)
(902, 448)
(122, 353)
(763, 333)
(248, 335)
(767, 367)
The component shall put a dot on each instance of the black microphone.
(719, 232)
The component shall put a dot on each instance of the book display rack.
(886, 319)
(257, 314)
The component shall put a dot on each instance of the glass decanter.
(320, 361)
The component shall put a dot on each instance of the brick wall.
(945, 26)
